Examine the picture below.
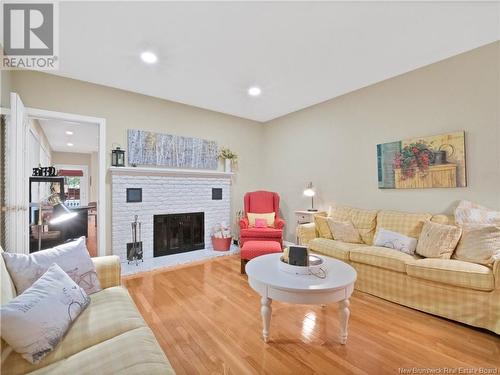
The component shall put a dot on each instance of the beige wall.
(333, 144)
(125, 110)
(5, 86)
(71, 158)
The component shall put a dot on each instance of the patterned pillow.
(480, 243)
(438, 240)
(268, 217)
(322, 227)
(471, 213)
(396, 241)
(73, 257)
(344, 231)
(34, 322)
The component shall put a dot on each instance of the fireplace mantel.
(173, 172)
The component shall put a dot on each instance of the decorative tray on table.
(314, 265)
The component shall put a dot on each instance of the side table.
(304, 217)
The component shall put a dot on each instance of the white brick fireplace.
(165, 191)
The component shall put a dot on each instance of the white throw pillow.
(471, 213)
(34, 322)
(396, 241)
(73, 257)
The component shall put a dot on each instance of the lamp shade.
(309, 190)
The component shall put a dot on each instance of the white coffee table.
(272, 283)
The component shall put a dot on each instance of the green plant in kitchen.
(412, 158)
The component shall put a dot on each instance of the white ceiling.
(85, 137)
(299, 53)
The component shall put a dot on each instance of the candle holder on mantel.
(118, 157)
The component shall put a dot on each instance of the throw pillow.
(438, 240)
(344, 231)
(73, 257)
(260, 223)
(268, 217)
(409, 224)
(34, 322)
(321, 223)
(396, 241)
(471, 213)
(363, 220)
(480, 243)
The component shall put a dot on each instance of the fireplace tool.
(134, 248)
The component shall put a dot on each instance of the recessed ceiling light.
(69, 144)
(149, 57)
(254, 91)
(69, 132)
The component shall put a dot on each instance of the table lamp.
(61, 214)
(310, 192)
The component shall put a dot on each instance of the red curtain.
(70, 172)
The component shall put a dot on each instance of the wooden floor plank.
(207, 320)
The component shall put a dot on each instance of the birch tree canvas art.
(149, 148)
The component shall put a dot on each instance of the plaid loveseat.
(109, 337)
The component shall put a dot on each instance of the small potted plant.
(229, 157)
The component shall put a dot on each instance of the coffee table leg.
(265, 311)
(344, 318)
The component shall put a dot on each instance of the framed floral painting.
(427, 162)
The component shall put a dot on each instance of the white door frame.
(101, 196)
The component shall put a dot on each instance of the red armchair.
(262, 202)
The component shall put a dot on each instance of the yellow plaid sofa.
(109, 337)
(461, 291)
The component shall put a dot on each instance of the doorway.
(33, 138)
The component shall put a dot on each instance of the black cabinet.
(178, 233)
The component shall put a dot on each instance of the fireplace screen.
(178, 233)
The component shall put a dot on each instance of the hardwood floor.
(207, 320)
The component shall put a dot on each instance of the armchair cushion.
(261, 232)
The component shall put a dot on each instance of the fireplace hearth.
(178, 233)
